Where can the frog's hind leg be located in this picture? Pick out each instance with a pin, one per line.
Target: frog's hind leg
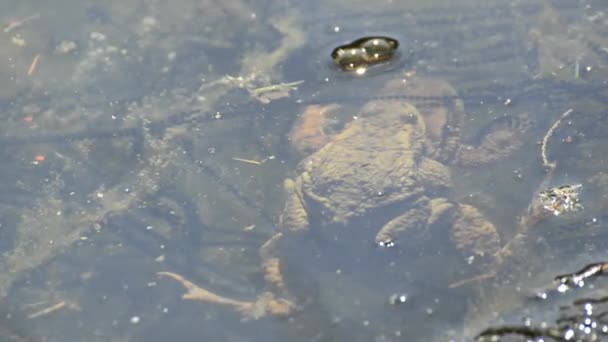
(264, 304)
(271, 266)
(273, 275)
(294, 220)
(499, 140)
(473, 235)
(195, 292)
(478, 241)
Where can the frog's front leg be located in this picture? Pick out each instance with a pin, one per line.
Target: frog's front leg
(441, 209)
(294, 218)
(411, 225)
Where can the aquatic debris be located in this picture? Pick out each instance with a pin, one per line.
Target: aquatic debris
(582, 320)
(259, 88)
(65, 47)
(578, 278)
(493, 334)
(566, 282)
(358, 55)
(39, 158)
(561, 199)
(18, 40)
(274, 91)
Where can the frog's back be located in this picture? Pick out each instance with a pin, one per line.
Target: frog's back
(373, 162)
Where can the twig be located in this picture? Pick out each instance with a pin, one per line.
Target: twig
(477, 278)
(527, 331)
(48, 310)
(532, 214)
(543, 148)
(549, 165)
(277, 87)
(18, 23)
(32, 67)
(248, 161)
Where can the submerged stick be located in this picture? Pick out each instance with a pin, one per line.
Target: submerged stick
(532, 214)
(543, 148)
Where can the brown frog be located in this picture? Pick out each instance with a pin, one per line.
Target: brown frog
(378, 180)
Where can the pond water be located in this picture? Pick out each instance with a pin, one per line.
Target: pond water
(152, 148)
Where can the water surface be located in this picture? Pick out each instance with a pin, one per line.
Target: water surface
(128, 151)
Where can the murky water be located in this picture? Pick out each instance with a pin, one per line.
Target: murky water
(145, 136)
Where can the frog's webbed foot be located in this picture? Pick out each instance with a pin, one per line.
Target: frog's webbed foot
(267, 303)
(499, 140)
(264, 304)
(195, 292)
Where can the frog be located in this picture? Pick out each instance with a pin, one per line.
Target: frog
(380, 180)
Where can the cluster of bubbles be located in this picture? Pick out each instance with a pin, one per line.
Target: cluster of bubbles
(358, 55)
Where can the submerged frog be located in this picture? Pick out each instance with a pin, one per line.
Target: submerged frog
(381, 179)
(386, 161)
